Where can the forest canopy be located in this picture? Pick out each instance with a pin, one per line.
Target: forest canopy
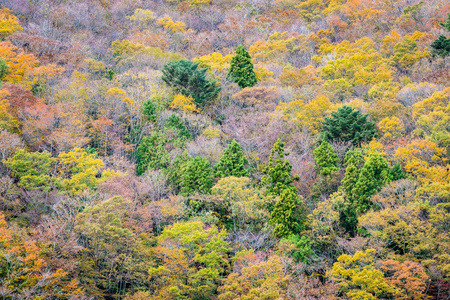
(225, 149)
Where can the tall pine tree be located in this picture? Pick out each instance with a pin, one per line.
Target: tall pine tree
(241, 68)
(326, 160)
(287, 214)
(374, 174)
(277, 174)
(197, 177)
(232, 162)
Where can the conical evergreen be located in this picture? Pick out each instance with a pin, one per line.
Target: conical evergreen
(241, 68)
(197, 177)
(446, 24)
(286, 214)
(326, 160)
(232, 162)
(397, 172)
(354, 160)
(374, 174)
(441, 46)
(277, 174)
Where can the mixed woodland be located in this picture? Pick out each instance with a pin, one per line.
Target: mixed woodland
(224, 149)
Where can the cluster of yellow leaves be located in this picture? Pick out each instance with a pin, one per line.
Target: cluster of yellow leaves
(192, 259)
(256, 280)
(349, 65)
(172, 26)
(405, 53)
(292, 76)
(127, 51)
(215, 62)
(24, 68)
(310, 115)
(274, 49)
(391, 128)
(419, 155)
(8, 23)
(142, 17)
(433, 117)
(425, 160)
(364, 11)
(358, 278)
(312, 10)
(120, 94)
(79, 171)
(212, 132)
(7, 121)
(185, 104)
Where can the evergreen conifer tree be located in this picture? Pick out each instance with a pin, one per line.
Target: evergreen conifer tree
(232, 162)
(277, 174)
(348, 125)
(397, 172)
(174, 122)
(374, 174)
(151, 154)
(446, 24)
(326, 160)
(241, 68)
(187, 79)
(348, 218)
(4, 69)
(441, 46)
(354, 160)
(197, 176)
(286, 214)
(150, 110)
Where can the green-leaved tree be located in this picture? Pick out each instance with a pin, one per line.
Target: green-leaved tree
(241, 68)
(277, 173)
(348, 125)
(441, 46)
(186, 78)
(198, 176)
(232, 162)
(326, 160)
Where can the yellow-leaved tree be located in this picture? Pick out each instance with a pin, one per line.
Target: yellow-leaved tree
(8, 23)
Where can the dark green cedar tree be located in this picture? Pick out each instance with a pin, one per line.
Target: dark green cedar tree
(232, 162)
(277, 174)
(241, 68)
(441, 46)
(325, 159)
(197, 176)
(186, 78)
(348, 125)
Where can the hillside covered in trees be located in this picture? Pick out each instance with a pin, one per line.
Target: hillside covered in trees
(224, 149)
